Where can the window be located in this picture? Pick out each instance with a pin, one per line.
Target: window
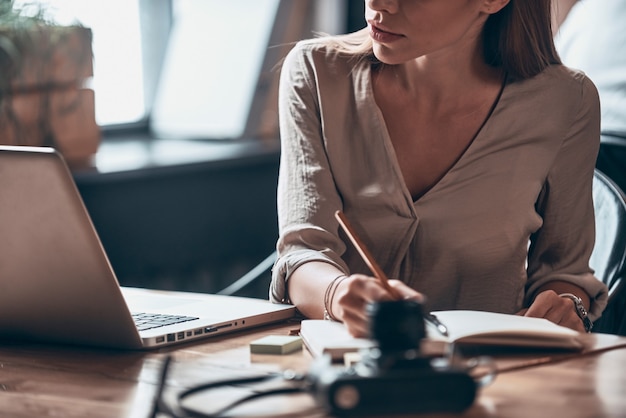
(212, 65)
(118, 65)
(190, 68)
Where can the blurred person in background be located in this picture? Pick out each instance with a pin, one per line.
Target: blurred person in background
(590, 35)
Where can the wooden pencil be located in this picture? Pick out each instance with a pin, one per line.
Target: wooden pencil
(365, 254)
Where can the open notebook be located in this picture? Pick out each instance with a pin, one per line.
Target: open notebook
(474, 328)
(57, 285)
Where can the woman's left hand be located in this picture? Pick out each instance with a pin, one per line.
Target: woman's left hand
(548, 304)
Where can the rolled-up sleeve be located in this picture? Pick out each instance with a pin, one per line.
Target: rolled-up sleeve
(306, 195)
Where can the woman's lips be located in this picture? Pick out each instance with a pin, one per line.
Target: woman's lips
(380, 35)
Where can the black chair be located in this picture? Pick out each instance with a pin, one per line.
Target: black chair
(612, 157)
(609, 255)
(259, 272)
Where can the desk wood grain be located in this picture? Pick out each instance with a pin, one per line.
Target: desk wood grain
(41, 380)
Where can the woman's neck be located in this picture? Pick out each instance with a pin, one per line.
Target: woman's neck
(440, 83)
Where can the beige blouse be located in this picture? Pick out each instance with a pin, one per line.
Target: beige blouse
(514, 212)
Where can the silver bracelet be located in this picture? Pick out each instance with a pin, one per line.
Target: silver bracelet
(329, 294)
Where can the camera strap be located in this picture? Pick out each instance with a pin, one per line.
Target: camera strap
(293, 383)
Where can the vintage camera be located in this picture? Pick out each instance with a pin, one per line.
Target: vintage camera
(393, 378)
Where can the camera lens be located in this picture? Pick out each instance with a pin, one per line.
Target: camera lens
(397, 325)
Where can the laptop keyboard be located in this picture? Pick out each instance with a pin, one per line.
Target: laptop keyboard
(145, 321)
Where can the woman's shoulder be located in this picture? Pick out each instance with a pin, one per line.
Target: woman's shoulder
(309, 46)
(563, 81)
(343, 45)
(567, 75)
(306, 50)
(324, 52)
(559, 89)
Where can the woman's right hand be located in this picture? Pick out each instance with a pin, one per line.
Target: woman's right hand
(354, 294)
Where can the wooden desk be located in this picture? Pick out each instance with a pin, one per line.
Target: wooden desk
(38, 381)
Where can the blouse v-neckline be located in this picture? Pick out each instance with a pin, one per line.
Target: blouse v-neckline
(391, 150)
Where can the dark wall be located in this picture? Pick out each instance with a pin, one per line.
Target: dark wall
(355, 15)
(197, 227)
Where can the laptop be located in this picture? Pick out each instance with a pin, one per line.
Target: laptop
(56, 282)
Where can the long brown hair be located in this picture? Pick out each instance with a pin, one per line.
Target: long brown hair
(517, 39)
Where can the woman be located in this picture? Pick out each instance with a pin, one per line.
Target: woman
(461, 151)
